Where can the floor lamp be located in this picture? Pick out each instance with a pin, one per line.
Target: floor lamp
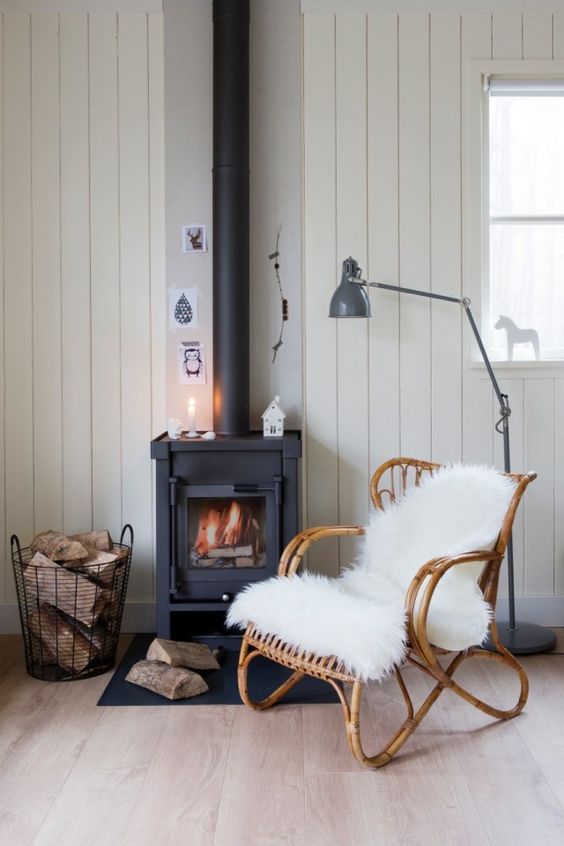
(351, 300)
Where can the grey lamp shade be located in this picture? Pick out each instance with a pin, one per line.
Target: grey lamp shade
(349, 300)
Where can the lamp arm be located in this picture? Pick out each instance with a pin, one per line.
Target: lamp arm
(505, 410)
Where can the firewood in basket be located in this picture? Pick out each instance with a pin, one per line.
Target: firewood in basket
(196, 656)
(68, 591)
(99, 540)
(66, 645)
(99, 566)
(58, 547)
(172, 682)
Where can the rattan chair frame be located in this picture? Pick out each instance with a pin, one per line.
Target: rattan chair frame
(390, 480)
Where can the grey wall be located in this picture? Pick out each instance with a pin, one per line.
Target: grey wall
(275, 192)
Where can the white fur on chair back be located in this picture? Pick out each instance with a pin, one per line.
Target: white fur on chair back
(360, 616)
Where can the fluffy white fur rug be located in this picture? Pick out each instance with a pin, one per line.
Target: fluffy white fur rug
(360, 616)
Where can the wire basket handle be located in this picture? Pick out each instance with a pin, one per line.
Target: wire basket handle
(127, 527)
(15, 542)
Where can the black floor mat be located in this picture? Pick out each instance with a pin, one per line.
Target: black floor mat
(264, 677)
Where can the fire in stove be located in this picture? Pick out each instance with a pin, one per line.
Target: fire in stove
(229, 534)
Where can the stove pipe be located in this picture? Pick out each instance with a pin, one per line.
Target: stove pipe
(231, 216)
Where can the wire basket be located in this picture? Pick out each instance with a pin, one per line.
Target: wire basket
(71, 616)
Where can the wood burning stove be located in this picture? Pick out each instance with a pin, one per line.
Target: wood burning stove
(227, 507)
(225, 510)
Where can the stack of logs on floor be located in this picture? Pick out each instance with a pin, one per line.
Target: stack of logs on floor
(169, 668)
(71, 597)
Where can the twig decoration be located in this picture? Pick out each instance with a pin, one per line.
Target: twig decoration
(274, 256)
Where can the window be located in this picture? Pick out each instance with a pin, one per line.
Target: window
(523, 294)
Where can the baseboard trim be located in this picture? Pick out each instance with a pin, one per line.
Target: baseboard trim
(140, 616)
(137, 617)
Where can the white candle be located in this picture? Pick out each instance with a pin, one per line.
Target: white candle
(192, 418)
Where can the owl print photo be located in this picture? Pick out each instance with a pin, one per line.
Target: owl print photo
(191, 361)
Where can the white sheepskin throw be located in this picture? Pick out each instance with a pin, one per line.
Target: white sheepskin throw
(360, 616)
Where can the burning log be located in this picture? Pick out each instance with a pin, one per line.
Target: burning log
(232, 533)
(230, 551)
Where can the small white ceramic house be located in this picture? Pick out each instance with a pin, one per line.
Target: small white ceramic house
(273, 420)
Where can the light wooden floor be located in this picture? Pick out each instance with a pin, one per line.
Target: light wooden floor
(72, 773)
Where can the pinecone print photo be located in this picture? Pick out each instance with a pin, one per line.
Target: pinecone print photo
(183, 311)
(183, 308)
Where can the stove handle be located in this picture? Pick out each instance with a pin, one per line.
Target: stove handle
(276, 486)
(172, 487)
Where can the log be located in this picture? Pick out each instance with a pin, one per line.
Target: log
(99, 566)
(58, 547)
(245, 562)
(197, 656)
(99, 540)
(230, 551)
(68, 591)
(63, 641)
(172, 682)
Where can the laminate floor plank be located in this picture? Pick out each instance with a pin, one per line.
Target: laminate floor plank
(262, 803)
(71, 772)
(511, 793)
(179, 800)
(541, 725)
(37, 765)
(99, 794)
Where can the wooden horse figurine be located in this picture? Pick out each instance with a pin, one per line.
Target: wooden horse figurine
(515, 335)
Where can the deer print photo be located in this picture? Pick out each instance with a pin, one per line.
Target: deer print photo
(516, 335)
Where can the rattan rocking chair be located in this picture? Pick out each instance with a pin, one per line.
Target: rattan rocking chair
(389, 481)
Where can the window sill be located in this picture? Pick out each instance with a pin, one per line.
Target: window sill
(522, 369)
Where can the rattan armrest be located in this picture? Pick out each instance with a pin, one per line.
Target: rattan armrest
(426, 581)
(296, 549)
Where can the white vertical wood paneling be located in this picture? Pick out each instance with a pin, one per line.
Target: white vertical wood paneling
(539, 502)
(352, 335)
(135, 293)
(508, 36)
(157, 220)
(2, 393)
(46, 272)
(558, 486)
(105, 273)
(17, 282)
(157, 235)
(320, 277)
(83, 303)
(414, 234)
(537, 36)
(477, 443)
(445, 238)
(558, 35)
(382, 264)
(75, 274)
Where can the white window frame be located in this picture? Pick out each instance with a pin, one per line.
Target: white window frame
(476, 210)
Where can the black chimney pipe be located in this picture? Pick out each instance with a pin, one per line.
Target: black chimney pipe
(231, 217)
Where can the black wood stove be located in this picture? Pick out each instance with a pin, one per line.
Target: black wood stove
(225, 510)
(226, 507)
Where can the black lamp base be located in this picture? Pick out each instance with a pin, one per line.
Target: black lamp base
(525, 639)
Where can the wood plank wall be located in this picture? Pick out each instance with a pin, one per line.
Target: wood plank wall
(82, 204)
(383, 182)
